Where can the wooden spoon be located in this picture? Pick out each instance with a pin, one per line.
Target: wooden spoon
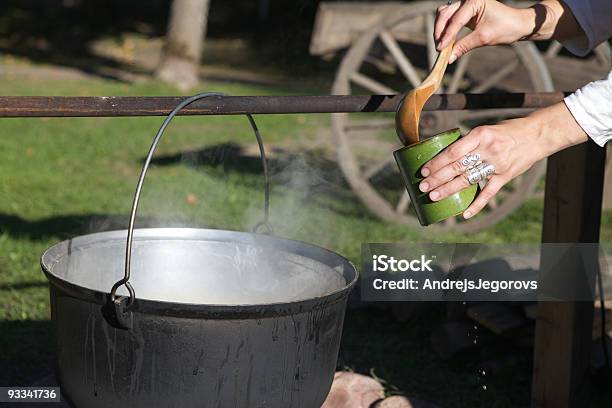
(409, 113)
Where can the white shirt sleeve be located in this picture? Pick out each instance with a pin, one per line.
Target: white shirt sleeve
(591, 106)
(595, 19)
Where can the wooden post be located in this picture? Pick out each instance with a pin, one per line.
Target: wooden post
(572, 213)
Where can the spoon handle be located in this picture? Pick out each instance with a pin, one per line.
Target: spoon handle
(437, 72)
(409, 111)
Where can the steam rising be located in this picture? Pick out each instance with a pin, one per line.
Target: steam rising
(226, 273)
(295, 185)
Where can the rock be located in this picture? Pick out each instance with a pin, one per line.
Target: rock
(351, 390)
(398, 401)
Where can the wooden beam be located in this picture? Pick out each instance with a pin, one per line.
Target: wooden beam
(572, 213)
(110, 106)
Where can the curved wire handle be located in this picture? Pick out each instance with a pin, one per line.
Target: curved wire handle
(128, 247)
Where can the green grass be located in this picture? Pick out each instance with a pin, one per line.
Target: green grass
(60, 176)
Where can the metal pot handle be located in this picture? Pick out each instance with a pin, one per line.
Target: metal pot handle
(121, 303)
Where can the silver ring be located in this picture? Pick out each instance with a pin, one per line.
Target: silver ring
(471, 160)
(480, 172)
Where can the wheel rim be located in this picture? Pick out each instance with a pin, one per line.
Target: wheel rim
(356, 72)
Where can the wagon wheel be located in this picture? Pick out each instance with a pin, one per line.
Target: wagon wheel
(398, 51)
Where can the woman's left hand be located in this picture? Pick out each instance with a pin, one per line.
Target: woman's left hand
(511, 147)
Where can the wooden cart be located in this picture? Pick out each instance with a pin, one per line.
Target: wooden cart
(388, 47)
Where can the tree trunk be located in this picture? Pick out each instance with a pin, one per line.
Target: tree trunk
(184, 40)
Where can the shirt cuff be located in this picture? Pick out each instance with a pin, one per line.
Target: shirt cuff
(590, 107)
(582, 12)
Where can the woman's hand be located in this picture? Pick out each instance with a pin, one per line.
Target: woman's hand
(494, 23)
(512, 147)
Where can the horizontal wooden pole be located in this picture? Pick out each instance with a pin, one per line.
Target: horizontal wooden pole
(109, 106)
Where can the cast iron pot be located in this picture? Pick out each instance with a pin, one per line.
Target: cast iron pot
(196, 318)
(269, 336)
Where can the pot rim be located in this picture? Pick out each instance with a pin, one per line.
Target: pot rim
(198, 310)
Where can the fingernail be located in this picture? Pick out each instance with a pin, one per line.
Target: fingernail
(425, 172)
(439, 46)
(434, 195)
(424, 186)
(452, 58)
(467, 214)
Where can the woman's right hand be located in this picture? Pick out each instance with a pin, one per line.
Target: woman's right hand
(492, 23)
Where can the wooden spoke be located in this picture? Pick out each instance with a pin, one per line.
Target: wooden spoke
(371, 84)
(402, 62)
(603, 55)
(387, 67)
(496, 77)
(553, 49)
(373, 170)
(459, 73)
(403, 203)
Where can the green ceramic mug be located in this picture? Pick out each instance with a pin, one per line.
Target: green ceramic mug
(411, 159)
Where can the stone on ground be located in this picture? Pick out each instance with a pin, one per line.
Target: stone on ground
(351, 390)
